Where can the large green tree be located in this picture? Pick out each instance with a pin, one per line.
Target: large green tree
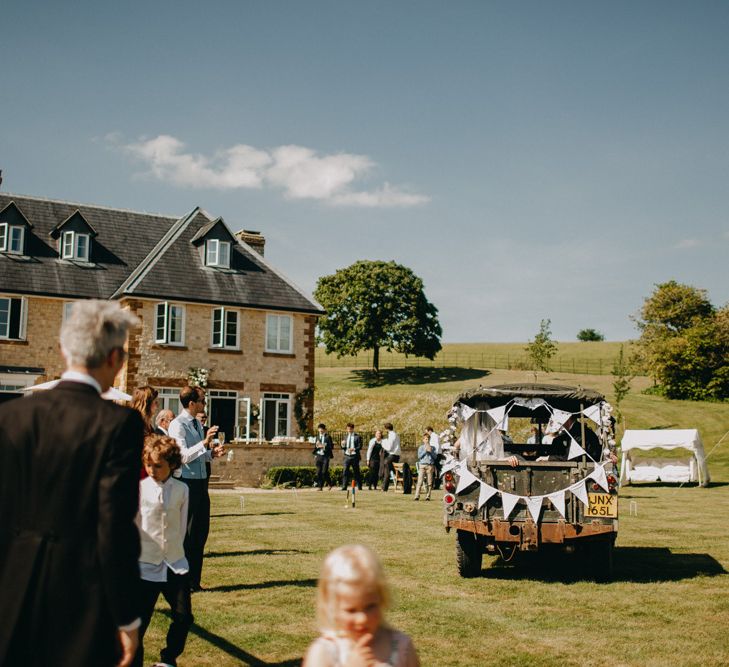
(684, 342)
(371, 305)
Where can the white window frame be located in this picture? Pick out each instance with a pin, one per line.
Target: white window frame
(217, 253)
(66, 313)
(14, 383)
(164, 309)
(279, 400)
(7, 232)
(70, 246)
(5, 333)
(274, 320)
(169, 399)
(223, 344)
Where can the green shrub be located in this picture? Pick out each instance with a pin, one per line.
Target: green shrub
(303, 476)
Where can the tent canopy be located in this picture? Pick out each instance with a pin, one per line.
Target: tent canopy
(664, 439)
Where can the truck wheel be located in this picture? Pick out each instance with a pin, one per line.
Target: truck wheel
(468, 554)
(601, 560)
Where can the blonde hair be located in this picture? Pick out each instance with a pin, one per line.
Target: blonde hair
(351, 565)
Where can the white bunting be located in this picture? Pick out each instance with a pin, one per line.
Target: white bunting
(466, 478)
(557, 499)
(598, 474)
(559, 417)
(466, 411)
(453, 463)
(531, 403)
(484, 494)
(535, 506)
(575, 449)
(593, 413)
(499, 416)
(579, 490)
(509, 500)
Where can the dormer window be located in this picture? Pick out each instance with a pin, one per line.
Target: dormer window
(217, 253)
(75, 245)
(11, 238)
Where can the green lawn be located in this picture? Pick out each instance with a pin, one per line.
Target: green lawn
(668, 604)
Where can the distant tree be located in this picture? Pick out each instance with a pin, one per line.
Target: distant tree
(373, 304)
(684, 342)
(586, 335)
(541, 349)
(622, 377)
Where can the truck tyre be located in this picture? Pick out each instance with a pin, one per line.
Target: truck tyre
(407, 479)
(601, 560)
(468, 554)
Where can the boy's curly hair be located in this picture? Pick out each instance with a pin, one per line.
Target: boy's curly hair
(162, 447)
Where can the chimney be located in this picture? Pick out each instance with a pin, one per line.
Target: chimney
(254, 239)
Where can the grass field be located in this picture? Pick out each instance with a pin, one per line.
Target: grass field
(668, 603)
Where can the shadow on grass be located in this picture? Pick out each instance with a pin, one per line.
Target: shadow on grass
(631, 564)
(250, 514)
(226, 588)
(415, 375)
(255, 552)
(222, 644)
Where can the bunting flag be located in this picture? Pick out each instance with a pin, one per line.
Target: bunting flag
(579, 490)
(530, 403)
(598, 474)
(593, 413)
(466, 478)
(575, 449)
(509, 501)
(499, 416)
(557, 499)
(466, 411)
(450, 465)
(485, 493)
(534, 504)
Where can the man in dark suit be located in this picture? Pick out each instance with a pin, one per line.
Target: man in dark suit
(323, 452)
(351, 445)
(69, 486)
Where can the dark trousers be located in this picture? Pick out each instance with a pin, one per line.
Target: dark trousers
(322, 470)
(351, 463)
(374, 472)
(198, 527)
(387, 469)
(176, 590)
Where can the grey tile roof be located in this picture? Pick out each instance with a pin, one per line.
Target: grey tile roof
(140, 254)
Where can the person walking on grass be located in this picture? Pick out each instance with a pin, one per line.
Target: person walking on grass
(162, 521)
(392, 450)
(351, 446)
(426, 466)
(323, 453)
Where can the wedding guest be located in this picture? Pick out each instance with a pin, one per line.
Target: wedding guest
(351, 446)
(426, 466)
(144, 401)
(351, 599)
(162, 421)
(195, 449)
(323, 453)
(392, 450)
(162, 519)
(374, 460)
(69, 487)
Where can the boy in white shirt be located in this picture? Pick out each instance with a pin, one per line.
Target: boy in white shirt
(163, 568)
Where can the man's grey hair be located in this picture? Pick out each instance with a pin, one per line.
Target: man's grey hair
(164, 414)
(93, 329)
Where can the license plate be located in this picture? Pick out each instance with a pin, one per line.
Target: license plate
(603, 505)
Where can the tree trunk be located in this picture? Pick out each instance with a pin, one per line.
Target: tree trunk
(376, 359)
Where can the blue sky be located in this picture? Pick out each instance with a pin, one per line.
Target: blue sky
(528, 160)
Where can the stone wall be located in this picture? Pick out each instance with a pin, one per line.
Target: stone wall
(251, 461)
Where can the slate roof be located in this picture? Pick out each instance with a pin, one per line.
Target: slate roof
(140, 254)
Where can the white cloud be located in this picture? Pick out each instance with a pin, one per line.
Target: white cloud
(687, 243)
(300, 172)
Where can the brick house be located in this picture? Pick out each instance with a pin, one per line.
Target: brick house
(206, 296)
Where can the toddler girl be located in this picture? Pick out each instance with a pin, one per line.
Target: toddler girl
(351, 598)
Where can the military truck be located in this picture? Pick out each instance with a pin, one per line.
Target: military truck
(556, 496)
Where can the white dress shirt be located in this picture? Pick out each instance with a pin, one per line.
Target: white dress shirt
(391, 444)
(435, 442)
(76, 376)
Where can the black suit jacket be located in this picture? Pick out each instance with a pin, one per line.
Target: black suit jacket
(357, 445)
(328, 446)
(69, 493)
